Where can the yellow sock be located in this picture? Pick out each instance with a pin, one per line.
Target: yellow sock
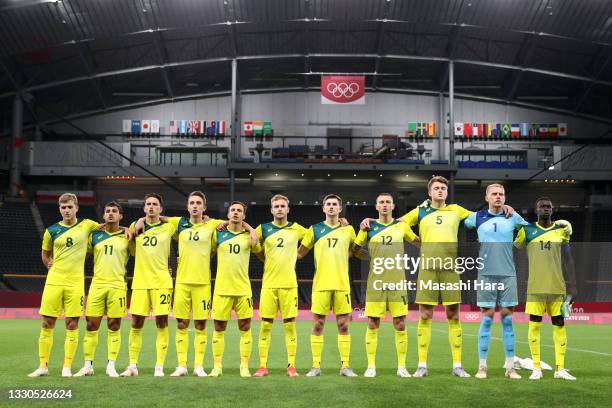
(401, 346)
(560, 340)
(455, 339)
(70, 346)
(45, 342)
(344, 347)
(161, 345)
(113, 343)
(199, 345)
(316, 347)
(533, 335)
(90, 342)
(246, 346)
(182, 346)
(135, 344)
(264, 342)
(218, 347)
(423, 339)
(371, 342)
(290, 342)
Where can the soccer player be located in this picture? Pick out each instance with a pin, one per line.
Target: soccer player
(279, 290)
(385, 239)
(331, 288)
(64, 248)
(152, 284)
(233, 287)
(495, 234)
(107, 293)
(549, 253)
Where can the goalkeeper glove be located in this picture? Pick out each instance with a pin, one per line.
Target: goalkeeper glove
(566, 308)
(566, 225)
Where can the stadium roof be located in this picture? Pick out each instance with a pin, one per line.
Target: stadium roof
(80, 57)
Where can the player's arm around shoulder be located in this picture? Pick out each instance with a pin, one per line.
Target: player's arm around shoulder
(307, 243)
(521, 238)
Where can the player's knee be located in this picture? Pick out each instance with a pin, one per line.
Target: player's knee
(182, 324)
(426, 314)
(557, 321)
(72, 324)
(452, 314)
(267, 320)
(114, 324)
(199, 324)
(93, 326)
(290, 320)
(399, 324)
(244, 325)
(373, 323)
(48, 323)
(161, 322)
(534, 318)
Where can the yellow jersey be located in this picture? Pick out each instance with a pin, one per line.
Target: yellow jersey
(233, 256)
(331, 255)
(194, 249)
(69, 246)
(152, 253)
(544, 246)
(111, 252)
(280, 246)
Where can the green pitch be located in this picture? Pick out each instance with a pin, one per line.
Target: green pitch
(589, 357)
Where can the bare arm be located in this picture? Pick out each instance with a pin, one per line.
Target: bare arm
(570, 270)
(302, 251)
(47, 258)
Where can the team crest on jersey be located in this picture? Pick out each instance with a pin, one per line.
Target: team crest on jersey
(322, 231)
(269, 229)
(375, 228)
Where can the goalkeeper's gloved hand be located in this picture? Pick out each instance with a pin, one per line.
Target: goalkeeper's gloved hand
(566, 308)
(566, 225)
(425, 203)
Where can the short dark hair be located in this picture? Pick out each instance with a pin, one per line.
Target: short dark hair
(436, 179)
(542, 199)
(197, 194)
(244, 206)
(155, 195)
(384, 194)
(114, 204)
(337, 197)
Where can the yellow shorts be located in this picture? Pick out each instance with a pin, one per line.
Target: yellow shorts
(539, 308)
(143, 300)
(56, 298)
(191, 298)
(426, 296)
(222, 307)
(273, 299)
(337, 300)
(106, 301)
(379, 309)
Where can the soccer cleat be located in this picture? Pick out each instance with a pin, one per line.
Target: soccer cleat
(199, 372)
(131, 371)
(564, 374)
(85, 372)
(244, 372)
(66, 372)
(314, 372)
(111, 372)
(402, 372)
(159, 371)
(39, 372)
(179, 372)
(261, 372)
(370, 372)
(482, 372)
(460, 372)
(420, 372)
(216, 372)
(512, 374)
(347, 372)
(292, 372)
(536, 374)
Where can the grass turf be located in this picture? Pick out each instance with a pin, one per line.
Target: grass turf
(589, 357)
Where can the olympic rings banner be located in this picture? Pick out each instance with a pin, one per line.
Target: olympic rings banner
(342, 90)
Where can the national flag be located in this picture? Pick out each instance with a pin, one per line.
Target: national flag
(247, 128)
(127, 126)
(562, 129)
(173, 128)
(201, 127)
(155, 126)
(467, 129)
(192, 127)
(182, 127)
(477, 129)
(515, 130)
(524, 132)
(553, 130)
(459, 129)
(505, 130)
(412, 128)
(267, 129)
(543, 130)
(258, 128)
(220, 128)
(136, 126)
(496, 132)
(431, 129)
(145, 126)
(421, 129)
(212, 129)
(487, 129)
(533, 130)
